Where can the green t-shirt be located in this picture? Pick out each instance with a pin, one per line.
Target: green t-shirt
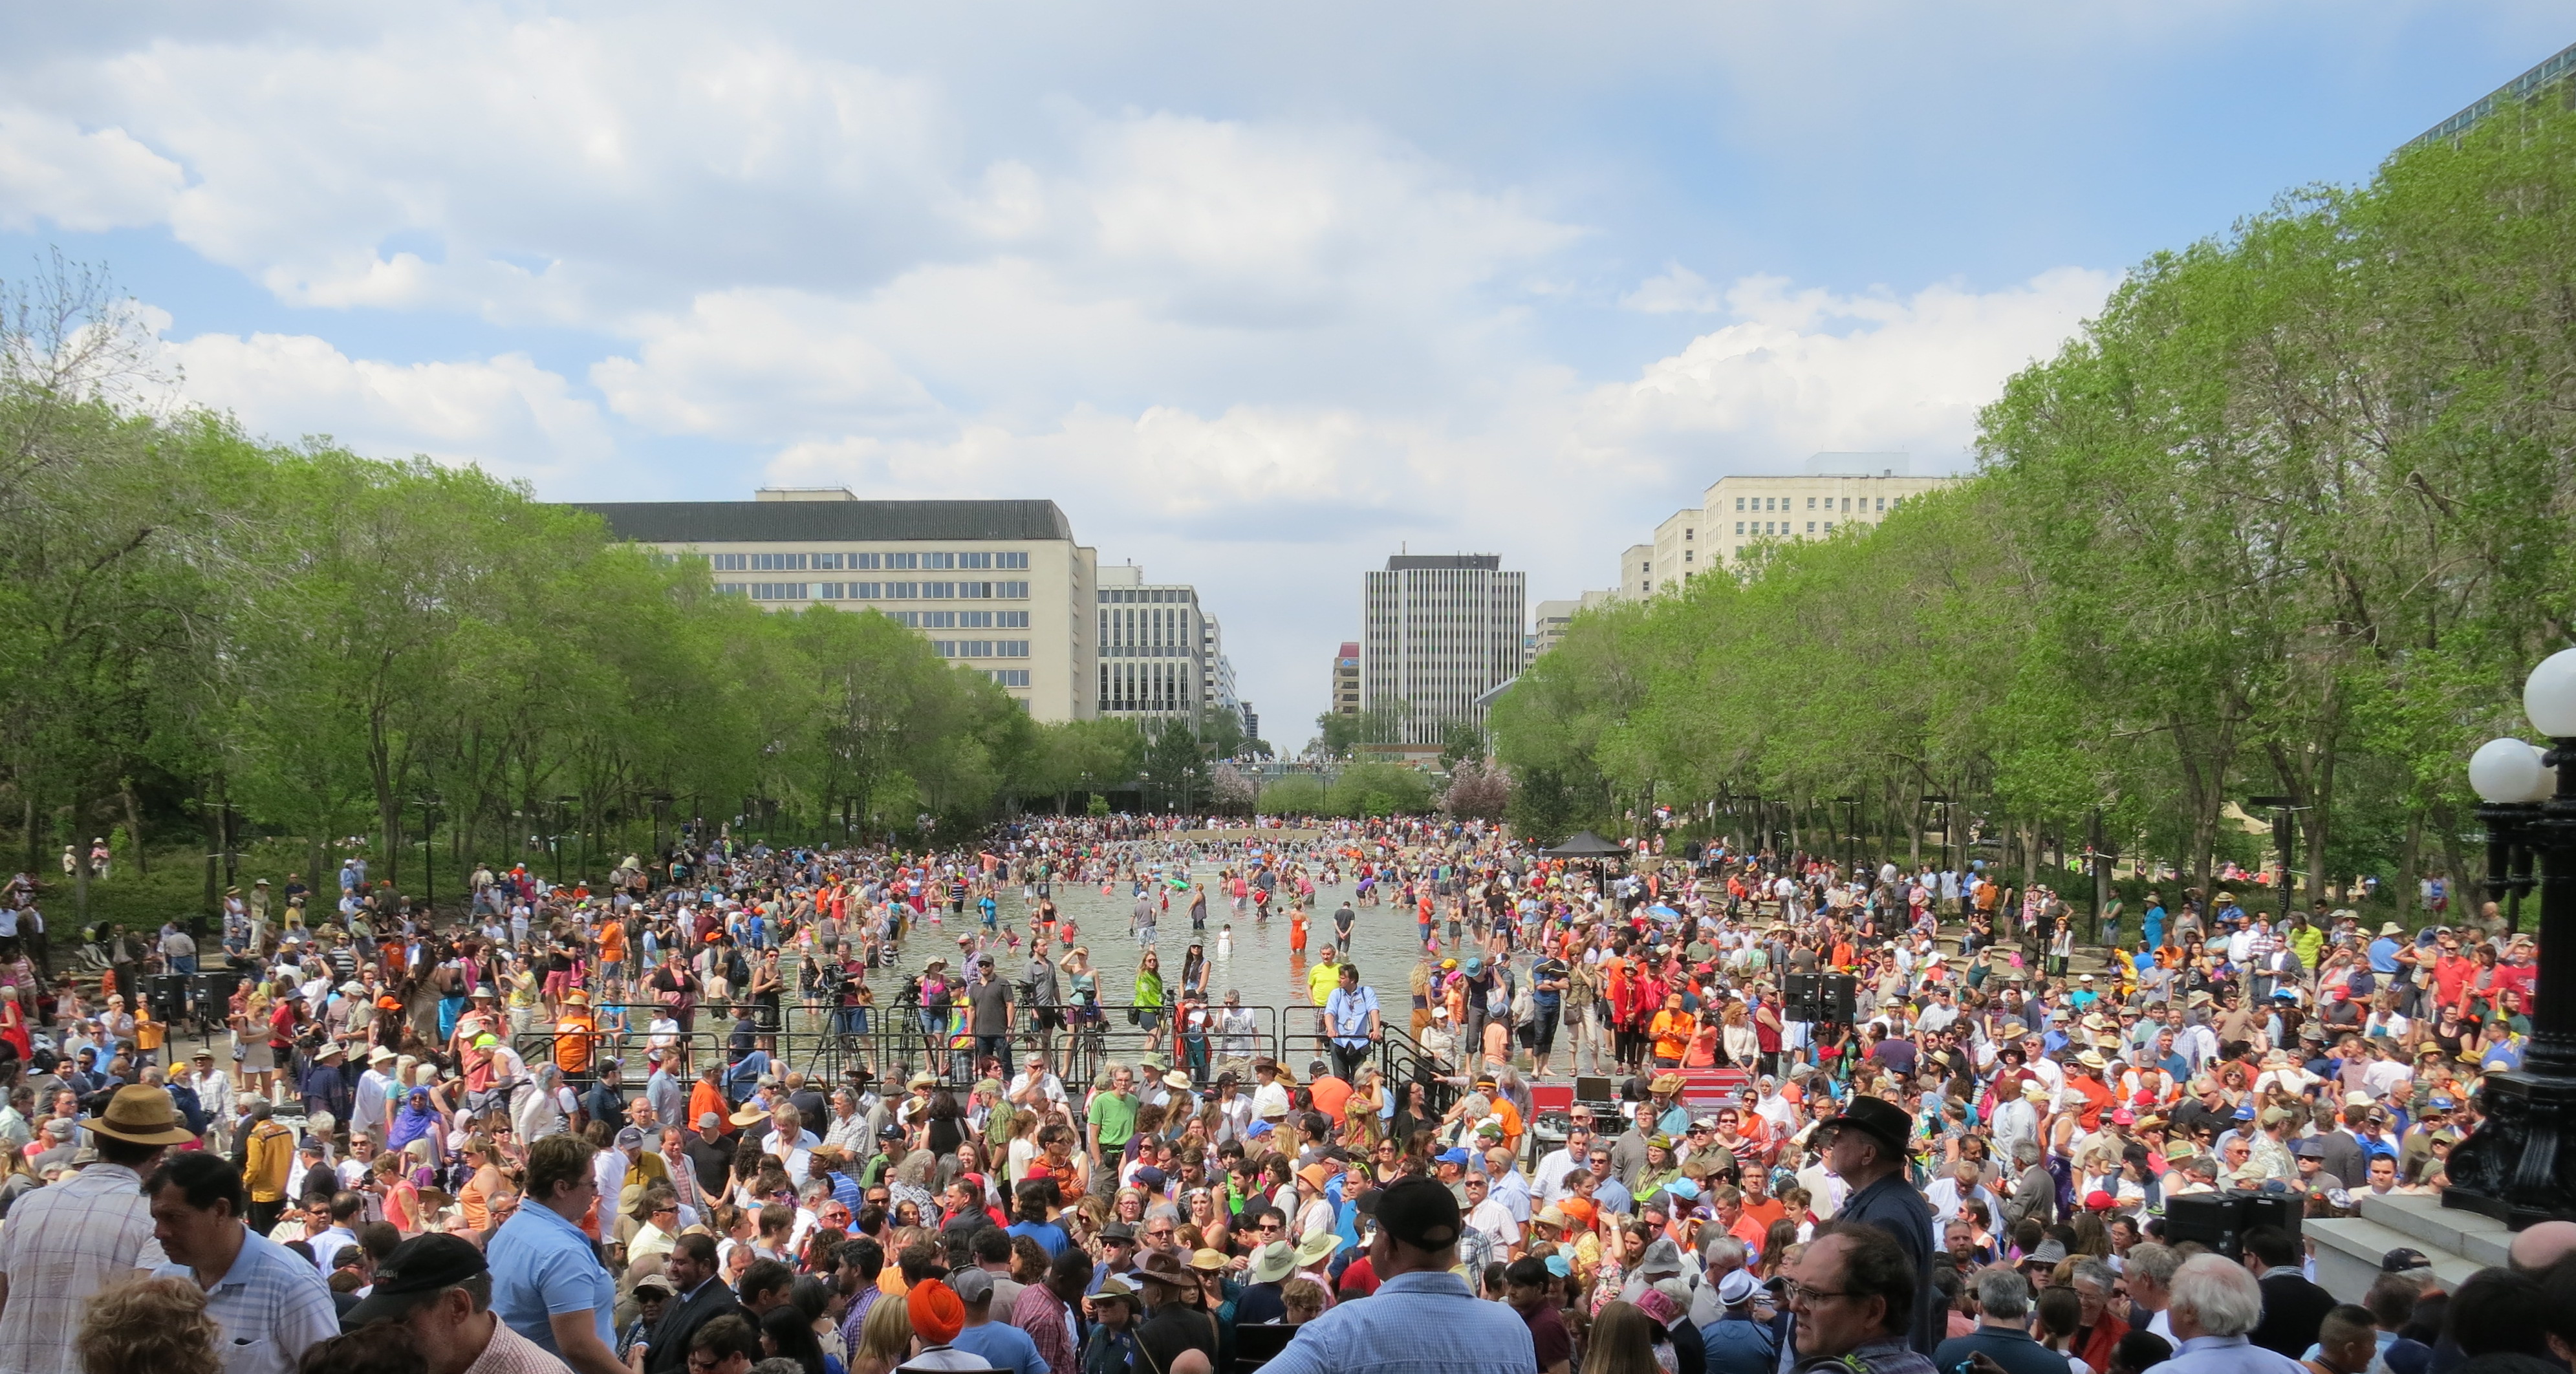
(1115, 1115)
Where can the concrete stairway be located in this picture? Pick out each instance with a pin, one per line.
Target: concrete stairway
(2348, 1249)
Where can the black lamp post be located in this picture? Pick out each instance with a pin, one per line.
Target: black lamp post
(661, 803)
(428, 854)
(2282, 809)
(2519, 1166)
(1942, 800)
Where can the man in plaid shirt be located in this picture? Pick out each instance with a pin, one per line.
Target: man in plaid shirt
(2261, 948)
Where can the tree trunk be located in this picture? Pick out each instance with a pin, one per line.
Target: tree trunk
(2409, 862)
(134, 827)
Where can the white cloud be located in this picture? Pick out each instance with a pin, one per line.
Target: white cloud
(53, 172)
(505, 413)
(1676, 290)
(1799, 370)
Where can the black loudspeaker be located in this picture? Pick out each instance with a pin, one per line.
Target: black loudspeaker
(1798, 994)
(169, 995)
(215, 989)
(1839, 998)
(2220, 1220)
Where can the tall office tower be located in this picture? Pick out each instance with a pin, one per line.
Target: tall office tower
(1440, 632)
(1346, 679)
(999, 586)
(1153, 649)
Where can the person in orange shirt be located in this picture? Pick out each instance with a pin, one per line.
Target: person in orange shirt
(1672, 1030)
(706, 1099)
(1297, 930)
(612, 956)
(2087, 1079)
(576, 1033)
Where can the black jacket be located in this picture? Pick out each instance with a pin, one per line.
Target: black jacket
(2293, 1309)
(668, 1351)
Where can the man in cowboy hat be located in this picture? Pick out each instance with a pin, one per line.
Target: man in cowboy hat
(1172, 1326)
(438, 1288)
(1866, 1146)
(70, 1239)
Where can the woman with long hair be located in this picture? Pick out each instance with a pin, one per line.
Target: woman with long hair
(1362, 1127)
(1622, 1341)
(885, 1339)
(1148, 1008)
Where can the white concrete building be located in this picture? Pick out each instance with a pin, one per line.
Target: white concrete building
(999, 586)
(1439, 632)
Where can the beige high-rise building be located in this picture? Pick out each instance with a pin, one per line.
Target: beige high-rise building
(1554, 616)
(1637, 571)
(998, 586)
(1439, 633)
(1346, 679)
(1740, 516)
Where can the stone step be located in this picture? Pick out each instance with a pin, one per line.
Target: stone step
(2348, 1251)
(2433, 1227)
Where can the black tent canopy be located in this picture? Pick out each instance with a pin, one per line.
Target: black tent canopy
(1586, 845)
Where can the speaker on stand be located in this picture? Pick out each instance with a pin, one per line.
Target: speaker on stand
(1799, 998)
(1838, 997)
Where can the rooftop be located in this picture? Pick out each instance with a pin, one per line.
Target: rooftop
(828, 520)
(1488, 562)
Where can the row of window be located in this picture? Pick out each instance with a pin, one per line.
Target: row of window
(962, 620)
(1010, 677)
(836, 561)
(1783, 503)
(981, 648)
(1748, 527)
(1129, 596)
(1143, 651)
(877, 591)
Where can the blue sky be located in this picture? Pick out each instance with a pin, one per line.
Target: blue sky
(1256, 297)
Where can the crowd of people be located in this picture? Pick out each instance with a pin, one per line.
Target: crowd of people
(554, 1130)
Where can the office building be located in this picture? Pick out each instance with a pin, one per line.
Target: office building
(1217, 687)
(1346, 679)
(998, 586)
(1739, 517)
(1440, 632)
(2553, 73)
(1553, 616)
(1637, 572)
(1153, 650)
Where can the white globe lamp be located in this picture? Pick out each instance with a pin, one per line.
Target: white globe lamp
(2549, 695)
(2507, 770)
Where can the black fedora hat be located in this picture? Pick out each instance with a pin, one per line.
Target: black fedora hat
(1879, 1117)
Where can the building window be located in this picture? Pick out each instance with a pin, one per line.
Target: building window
(945, 648)
(975, 591)
(1739, 528)
(730, 562)
(938, 560)
(862, 562)
(1739, 505)
(1010, 648)
(1686, 555)
(778, 591)
(974, 560)
(825, 562)
(1011, 677)
(903, 560)
(732, 589)
(938, 591)
(1686, 534)
(1882, 503)
(830, 591)
(973, 620)
(778, 562)
(1811, 527)
(1829, 527)
(900, 591)
(1016, 561)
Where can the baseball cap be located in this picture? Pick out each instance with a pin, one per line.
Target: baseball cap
(2403, 1258)
(1421, 1212)
(973, 1286)
(418, 1269)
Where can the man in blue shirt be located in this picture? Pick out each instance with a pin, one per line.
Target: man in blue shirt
(1351, 1022)
(2383, 951)
(547, 1281)
(1422, 1317)
(999, 1344)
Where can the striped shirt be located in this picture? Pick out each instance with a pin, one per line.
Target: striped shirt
(62, 1245)
(271, 1305)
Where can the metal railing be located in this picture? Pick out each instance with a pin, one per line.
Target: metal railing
(891, 1044)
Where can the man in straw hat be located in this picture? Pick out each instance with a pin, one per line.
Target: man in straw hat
(67, 1241)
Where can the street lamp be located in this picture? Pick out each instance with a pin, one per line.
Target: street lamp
(2511, 1167)
(1942, 800)
(429, 856)
(2282, 807)
(661, 803)
(568, 807)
